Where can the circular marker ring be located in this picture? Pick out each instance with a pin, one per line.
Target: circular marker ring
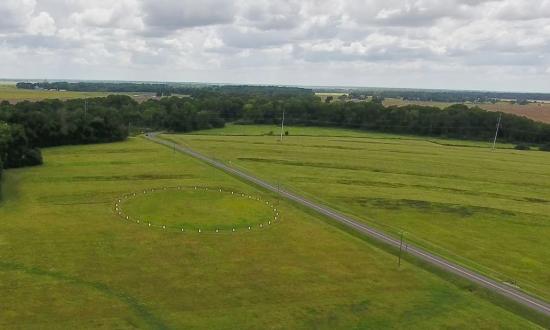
(119, 211)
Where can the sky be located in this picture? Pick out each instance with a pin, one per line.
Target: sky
(446, 44)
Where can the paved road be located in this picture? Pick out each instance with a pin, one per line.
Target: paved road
(449, 266)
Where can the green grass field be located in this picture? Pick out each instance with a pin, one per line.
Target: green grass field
(69, 261)
(195, 208)
(488, 210)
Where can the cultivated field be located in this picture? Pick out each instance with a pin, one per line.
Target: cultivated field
(324, 96)
(8, 92)
(13, 95)
(488, 210)
(535, 111)
(69, 260)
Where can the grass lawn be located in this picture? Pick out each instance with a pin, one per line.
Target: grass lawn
(488, 210)
(69, 261)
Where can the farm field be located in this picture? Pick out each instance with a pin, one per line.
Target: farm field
(69, 260)
(536, 111)
(488, 210)
(13, 95)
(324, 96)
(8, 92)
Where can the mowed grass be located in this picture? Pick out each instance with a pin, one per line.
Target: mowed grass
(489, 210)
(68, 261)
(198, 209)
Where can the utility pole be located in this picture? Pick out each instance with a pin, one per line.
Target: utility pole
(282, 126)
(496, 133)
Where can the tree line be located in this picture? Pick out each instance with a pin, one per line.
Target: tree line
(27, 126)
(449, 95)
(456, 121)
(163, 89)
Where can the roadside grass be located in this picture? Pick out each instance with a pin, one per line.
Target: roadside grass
(488, 210)
(69, 262)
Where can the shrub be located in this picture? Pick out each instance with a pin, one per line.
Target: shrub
(32, 157)
(286, 133)
(545, 147)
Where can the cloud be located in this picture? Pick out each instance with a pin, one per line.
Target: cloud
(178, 14)
(375, 42)
(42, 24)
(15, 13)
(273, 15)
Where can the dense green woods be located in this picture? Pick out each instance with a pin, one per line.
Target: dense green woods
(27, 126)
(457, 121)
(166, 89)
(15, 150)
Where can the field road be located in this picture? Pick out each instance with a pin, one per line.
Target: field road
(498, 287)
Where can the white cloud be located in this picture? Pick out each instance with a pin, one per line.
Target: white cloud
(426, 43)
(15, 14)
(42, 24)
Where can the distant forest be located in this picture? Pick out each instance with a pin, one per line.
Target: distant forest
(27, 126)
(449, 96)
(167, 89)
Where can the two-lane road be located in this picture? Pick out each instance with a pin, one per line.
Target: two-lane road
(501, 288)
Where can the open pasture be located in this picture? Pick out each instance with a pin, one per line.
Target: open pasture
(488, 210)
(197, 209)
(69, 261)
